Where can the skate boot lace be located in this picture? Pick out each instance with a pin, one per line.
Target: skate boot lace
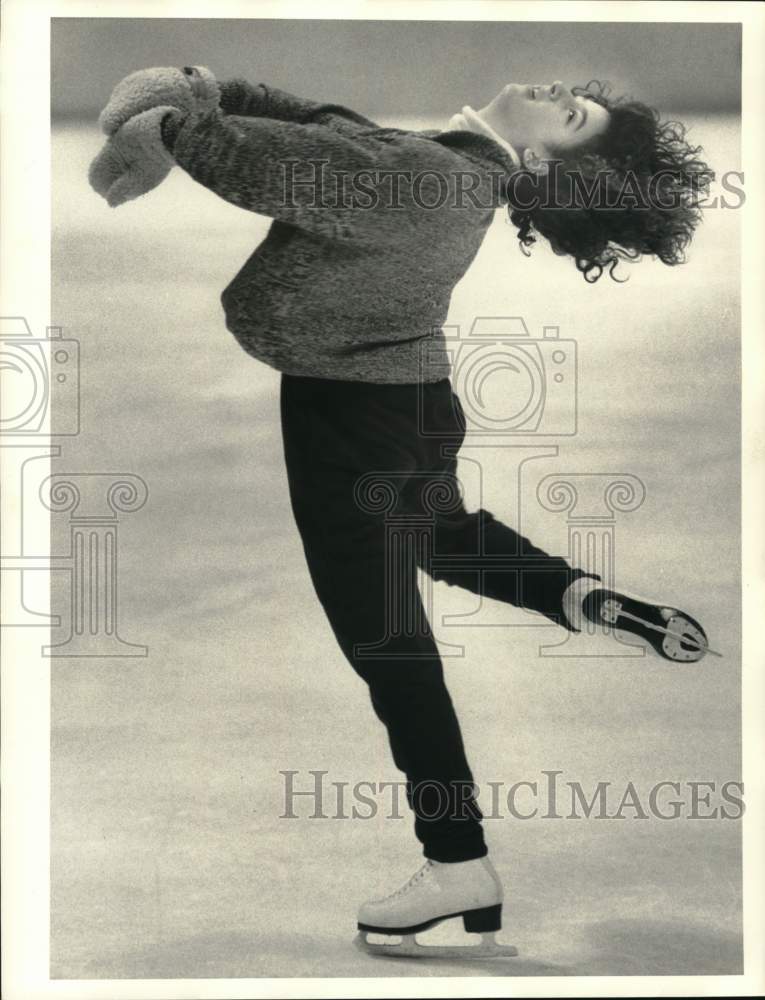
(413, 881)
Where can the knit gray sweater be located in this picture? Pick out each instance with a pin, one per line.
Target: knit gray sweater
(373, 227)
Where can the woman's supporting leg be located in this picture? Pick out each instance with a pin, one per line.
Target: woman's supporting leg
(333, 434)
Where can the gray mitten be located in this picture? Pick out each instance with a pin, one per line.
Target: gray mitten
(134, 160)
(193, 88)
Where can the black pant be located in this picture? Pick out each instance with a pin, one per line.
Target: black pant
(373, 497)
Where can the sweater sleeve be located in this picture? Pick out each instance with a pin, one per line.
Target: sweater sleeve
(238, 97)
(281, 169)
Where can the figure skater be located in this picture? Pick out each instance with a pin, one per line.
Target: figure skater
(372, 229)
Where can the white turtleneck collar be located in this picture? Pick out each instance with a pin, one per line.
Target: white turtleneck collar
(470, 121)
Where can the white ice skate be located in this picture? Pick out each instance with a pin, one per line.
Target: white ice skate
(468, 889)
(671, 634)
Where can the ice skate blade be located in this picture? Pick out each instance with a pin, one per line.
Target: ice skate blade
(683, 637)
(409, 947)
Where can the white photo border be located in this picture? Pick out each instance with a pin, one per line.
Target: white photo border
(25, 291)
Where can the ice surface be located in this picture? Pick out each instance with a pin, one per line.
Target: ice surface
(169, 856)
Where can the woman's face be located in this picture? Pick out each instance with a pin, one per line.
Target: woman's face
(544, 118)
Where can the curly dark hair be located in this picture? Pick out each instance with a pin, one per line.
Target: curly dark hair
(631, 191)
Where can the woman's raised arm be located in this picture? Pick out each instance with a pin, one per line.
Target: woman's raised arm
(285, 170)
(238, 97)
